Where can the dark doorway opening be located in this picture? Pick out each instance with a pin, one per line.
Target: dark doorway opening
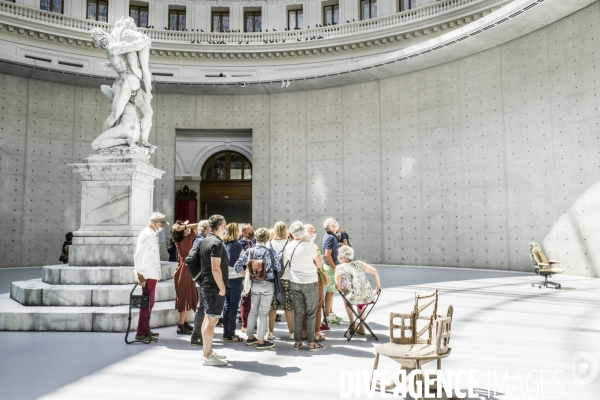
(226, 187)
(233, 211)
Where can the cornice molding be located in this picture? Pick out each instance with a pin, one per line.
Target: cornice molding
(240, 52)
(272, 73)
(319, 50)
(41, 24)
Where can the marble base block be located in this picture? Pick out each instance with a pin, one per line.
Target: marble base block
(38, 293)
(98, 275)
(16, 317)
(116, 202)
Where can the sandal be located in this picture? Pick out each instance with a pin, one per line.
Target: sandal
(298, 346)
(319, 338)
(234, 338)
(316, 346)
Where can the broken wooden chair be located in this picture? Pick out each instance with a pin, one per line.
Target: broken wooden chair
(417, 338)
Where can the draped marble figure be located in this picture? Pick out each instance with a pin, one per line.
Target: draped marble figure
(130, 120)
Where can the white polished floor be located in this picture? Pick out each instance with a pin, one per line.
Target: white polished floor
(502, 327)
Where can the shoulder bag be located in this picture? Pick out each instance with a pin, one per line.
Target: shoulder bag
(256, 268)
(324, 277)
(279, 288)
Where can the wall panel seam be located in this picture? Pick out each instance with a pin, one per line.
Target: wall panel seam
(506, 184)
(381, 219)
(22, 222)
(72, 198)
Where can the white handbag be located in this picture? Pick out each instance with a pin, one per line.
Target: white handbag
(247, 284)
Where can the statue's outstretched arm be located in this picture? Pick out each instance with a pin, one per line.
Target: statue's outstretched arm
(123, 48)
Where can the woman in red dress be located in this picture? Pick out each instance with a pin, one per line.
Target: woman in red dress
(185, 287)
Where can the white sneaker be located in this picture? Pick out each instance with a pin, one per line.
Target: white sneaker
(292, 336)
(213, 361)
(270, 336)
(219, 356)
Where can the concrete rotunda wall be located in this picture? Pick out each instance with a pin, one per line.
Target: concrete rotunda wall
(462, 165)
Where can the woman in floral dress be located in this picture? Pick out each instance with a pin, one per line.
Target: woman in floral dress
(350, 279)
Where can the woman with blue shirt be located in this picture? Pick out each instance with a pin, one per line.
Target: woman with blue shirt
(262, 290)
(233, 290)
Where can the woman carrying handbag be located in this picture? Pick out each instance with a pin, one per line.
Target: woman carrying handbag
(260, 263)
(304, 262)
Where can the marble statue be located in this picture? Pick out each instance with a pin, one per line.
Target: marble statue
(128, 125)
(125, 133)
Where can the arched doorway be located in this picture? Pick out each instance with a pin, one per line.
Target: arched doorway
(226, 187)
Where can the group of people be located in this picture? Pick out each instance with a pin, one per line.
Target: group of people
(222, 270)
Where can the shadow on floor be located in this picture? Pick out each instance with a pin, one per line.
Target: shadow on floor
(263, 369)
(57, 359)
(51, 360)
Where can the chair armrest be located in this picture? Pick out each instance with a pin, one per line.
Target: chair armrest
(553, 262)
(543, 264)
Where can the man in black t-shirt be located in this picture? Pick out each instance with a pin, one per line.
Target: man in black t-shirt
(214, 274)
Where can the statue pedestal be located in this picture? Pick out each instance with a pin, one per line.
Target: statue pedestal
(116, 201)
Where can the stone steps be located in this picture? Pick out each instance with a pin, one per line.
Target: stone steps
(37, 293)
(71, 275)
(17, 317)
(86, 299)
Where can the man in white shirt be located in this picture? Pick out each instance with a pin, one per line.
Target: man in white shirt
(146, 266)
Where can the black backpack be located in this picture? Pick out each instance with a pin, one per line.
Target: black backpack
(280, 260)
(192, 262)
(279, 293)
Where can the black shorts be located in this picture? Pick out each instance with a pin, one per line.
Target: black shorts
(213, 303)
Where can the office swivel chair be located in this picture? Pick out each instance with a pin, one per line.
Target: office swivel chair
(543, 267)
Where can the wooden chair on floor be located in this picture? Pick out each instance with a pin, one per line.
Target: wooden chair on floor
(417, 338)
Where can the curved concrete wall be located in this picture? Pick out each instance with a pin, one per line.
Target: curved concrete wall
(461, 165)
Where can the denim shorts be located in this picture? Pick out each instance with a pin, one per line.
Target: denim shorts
(213, 303)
